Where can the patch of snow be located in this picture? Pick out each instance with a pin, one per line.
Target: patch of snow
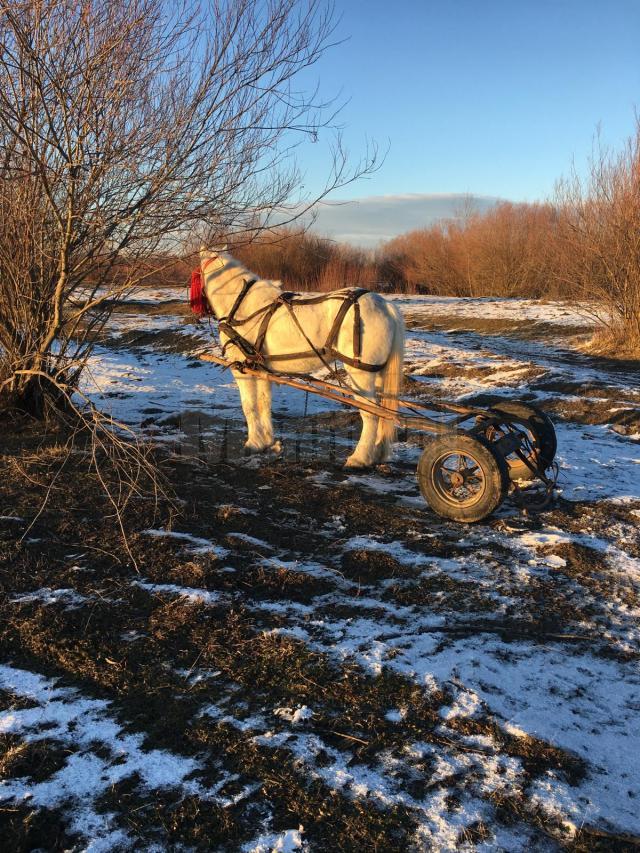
(396, 715)
(544, 538)
(393, 549)
(278, 842)
(198, 544)
(314, 570)
(70, 597)
(197, 596)
(504, 308)
(380, 485)
(100, 754)
(467, 704)
(580, 702)
(596, 464)
(296, 716)
(554, 561)
(249, 540)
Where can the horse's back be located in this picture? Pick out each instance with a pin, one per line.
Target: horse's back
(309, 320)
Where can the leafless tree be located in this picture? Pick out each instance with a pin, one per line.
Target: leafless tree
(125, 125)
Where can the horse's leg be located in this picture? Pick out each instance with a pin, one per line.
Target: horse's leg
(385, 435)
(366, 452)
(250, 398)
(263, 399)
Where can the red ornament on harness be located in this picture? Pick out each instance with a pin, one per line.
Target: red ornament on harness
(199, 303)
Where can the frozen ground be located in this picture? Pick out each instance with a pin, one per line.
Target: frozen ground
(476, 687)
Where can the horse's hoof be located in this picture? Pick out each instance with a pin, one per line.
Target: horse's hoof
(254, 449)
(355, 463)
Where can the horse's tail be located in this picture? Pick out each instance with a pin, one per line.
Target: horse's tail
(389, 382)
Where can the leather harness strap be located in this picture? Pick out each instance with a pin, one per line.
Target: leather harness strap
(246, 287)
(325, 353)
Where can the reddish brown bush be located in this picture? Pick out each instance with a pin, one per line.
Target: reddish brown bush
(508, 251)
(304, 261)
(600, 241)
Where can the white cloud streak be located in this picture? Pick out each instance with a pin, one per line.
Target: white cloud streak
(368, 221)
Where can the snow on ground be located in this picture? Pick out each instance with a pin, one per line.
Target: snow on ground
(99, 754)
(158, 295)
(557, 313)
(286, 842)
(472, 620)
(578, 701)
(144, 385)
(196, 544)
(560, 313)
(135, 385)
(502, 360)
(596, 463)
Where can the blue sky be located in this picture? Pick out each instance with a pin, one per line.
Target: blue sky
(488, 97)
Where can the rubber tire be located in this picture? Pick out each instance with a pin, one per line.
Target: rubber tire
(494, 468)
(541, 425)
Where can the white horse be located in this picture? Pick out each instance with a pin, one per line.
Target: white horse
(358, 328)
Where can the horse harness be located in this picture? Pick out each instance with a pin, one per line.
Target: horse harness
(326, 353)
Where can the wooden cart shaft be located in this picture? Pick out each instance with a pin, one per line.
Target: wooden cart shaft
(350, 397)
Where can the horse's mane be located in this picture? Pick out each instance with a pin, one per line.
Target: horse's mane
(232, 261)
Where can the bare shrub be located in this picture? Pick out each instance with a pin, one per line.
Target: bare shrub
(507, 251)
(348, 267)
(600, 234)
(421, 262)
(126, 126)
(294, 256)
(306, 261)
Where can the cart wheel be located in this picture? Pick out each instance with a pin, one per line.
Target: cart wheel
(541, 446)
(461, 477)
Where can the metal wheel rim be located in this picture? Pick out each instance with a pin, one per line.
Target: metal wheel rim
(529, 449)
(447, 491)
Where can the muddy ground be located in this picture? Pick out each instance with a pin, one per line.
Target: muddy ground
(296, 657)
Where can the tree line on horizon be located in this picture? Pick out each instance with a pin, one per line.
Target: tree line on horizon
(584, 245)
(501, 252)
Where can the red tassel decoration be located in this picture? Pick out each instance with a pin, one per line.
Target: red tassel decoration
(199, 303)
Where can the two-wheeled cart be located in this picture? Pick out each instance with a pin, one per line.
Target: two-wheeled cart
(477, 455)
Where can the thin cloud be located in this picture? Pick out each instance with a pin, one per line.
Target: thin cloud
(371, 220)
